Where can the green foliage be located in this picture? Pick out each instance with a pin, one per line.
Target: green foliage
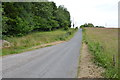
(90, 25)
(87, 25)
(4, 24)
(82, 26)
(22, 26)
(63, 17)
(20, 18)
(66, 28)
(76, 28)
(24, 43)
(101, 58)
(97, 50)
(100, 26)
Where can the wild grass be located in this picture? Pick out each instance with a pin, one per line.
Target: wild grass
(20, 44)
(103, 44)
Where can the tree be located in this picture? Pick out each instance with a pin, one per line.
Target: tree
(87, 25)
(90, 25)
(20, 18)
(63, 17)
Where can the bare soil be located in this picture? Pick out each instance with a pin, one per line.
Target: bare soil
(48, 44)
(87, 69)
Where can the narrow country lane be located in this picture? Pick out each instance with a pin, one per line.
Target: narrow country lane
(58, 61)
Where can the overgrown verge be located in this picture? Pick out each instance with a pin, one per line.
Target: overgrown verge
(102, 57)
(87, 69)
(21, 44)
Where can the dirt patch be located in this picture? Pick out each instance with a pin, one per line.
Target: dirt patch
(87, 68)
(48, 44)
(4, 44)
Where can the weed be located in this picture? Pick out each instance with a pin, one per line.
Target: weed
(19, 44)
(102, 44)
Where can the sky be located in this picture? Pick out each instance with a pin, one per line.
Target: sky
(98, 12)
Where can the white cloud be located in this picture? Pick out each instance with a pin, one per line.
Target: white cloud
(98, 12)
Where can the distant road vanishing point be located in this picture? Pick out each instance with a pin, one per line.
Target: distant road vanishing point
(57, 61)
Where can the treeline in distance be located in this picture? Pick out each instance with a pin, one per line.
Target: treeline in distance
(20, 18)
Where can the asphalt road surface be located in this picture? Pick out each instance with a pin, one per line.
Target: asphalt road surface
(58, 61)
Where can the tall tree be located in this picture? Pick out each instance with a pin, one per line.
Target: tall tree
(20, 18)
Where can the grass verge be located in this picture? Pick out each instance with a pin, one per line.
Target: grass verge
(25, 43)
(78, 71)
(103, 44)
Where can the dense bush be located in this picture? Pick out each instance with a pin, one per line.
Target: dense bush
(100, 26)
(76, 28)
(19, 18)
(87, 25)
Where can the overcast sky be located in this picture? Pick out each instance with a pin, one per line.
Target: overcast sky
(98, 12)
